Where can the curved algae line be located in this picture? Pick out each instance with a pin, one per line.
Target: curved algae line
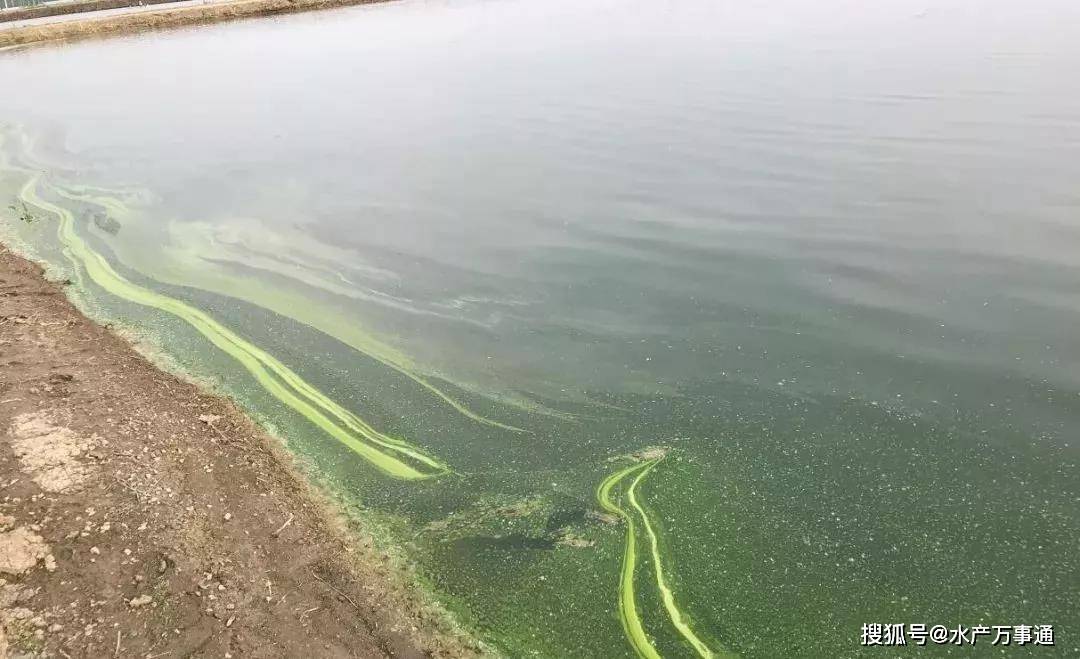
(115, 205)
(253, 358)
(111, 203)
(420, 380)
(666, 594)
(628, 614)
(284, 373)
(256, 361)
(350, 419)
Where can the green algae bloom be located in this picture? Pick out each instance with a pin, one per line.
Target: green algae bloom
(392, 456)
(627, 603)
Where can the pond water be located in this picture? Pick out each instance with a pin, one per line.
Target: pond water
(690, 328)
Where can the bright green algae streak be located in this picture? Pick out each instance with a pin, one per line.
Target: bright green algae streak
(275, 377)
(105, 199)
(869, 384)
(628, 614)
(322, 411)
(118, 208)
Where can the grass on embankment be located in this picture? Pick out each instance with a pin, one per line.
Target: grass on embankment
(73, 7)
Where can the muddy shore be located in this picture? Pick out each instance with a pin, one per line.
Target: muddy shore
(143, 517)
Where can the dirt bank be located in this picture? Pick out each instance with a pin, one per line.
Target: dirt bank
(141, 517)
(74, 7)
(16, 35)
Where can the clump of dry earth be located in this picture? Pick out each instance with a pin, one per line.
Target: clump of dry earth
(142, 517)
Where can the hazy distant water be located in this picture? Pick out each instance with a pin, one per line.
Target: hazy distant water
(827, 251)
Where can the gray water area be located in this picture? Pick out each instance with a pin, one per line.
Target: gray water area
(822, 253)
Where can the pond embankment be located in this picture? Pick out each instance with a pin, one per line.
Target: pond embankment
(71, 7)
(141, 516)
(93, 24)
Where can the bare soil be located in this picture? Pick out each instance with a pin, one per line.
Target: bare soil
(143, 517)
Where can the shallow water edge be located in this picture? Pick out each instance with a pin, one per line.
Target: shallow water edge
(178, 547)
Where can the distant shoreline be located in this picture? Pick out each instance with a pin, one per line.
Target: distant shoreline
(71, 7)
(13, 35)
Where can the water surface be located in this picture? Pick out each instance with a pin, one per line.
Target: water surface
(821, 256)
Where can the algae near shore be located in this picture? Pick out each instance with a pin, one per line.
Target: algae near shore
(648, 335)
